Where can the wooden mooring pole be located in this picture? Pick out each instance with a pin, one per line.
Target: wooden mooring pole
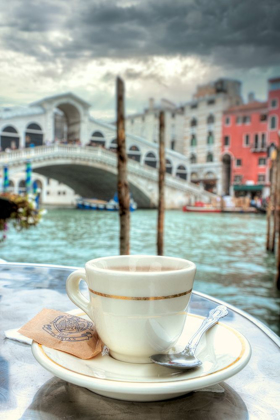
(274, 203)
(123, 188)
(269, 211)
(161, 176)
(277, 210)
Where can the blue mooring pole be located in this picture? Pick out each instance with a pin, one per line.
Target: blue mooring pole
(5, 178)
(28, 183)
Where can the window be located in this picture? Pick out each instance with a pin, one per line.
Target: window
(172, 144)
(209, 157)
(194, 106)
(58, 192)
(262, 161)
(211, 102)
(193, 140)
(210, 138)
(238, 162)
(132, 121)
(193, 122)
(48, 181)
(273, 122)
(210, 119)
(247, 140)
(173, 115)
(263, 117)
(193, 158)
(48, 192)
(226, 140)
(246, 119)
(237, 179)
(227, 121)
(143, 118)
(263, 142)
(261, 178)
(256, 141)
(239, 120)
(64, 192)
(274, 103)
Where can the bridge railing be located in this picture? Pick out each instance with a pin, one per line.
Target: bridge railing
(100, 155)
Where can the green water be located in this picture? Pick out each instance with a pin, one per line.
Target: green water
(229, 250)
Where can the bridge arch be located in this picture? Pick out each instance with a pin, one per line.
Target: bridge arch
(181, 172)
(9, 138)
(21, 186)
(168, 166)
(67, 121)
(91, 181)
(134, 153)
(33, 134)
(113, 145)
(97, 139)
(151, 159)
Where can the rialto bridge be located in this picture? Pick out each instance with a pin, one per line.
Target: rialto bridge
(92, 172)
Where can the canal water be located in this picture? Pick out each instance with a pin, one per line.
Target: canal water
(229, 250)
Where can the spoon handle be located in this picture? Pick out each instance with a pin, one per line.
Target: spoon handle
(212, 319)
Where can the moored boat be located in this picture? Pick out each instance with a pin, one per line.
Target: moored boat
(101, 205)
(206, 209)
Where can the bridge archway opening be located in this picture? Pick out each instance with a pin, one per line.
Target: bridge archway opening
(113, 145)
(195, 178)
(168, 166)
(181, 172)
(92, 182)
(67, 123)
(37, 187)
(210, 182)
(34, 135)
(97, 139)
(151, 160)
(11, 186)
(9, 138)
(134, 153)
(22, 186)
(226, 173)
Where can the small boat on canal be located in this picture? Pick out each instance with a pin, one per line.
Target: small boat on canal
(101, 205)
(200, 207)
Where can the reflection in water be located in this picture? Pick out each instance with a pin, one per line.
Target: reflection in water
(58, 399)
(229, 250)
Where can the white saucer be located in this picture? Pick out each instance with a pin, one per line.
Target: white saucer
(223, 351)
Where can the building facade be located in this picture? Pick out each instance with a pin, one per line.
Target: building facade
(248, 131)
(193, 129)
(203, 130)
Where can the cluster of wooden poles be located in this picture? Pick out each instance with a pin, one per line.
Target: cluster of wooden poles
(273, 213)
(123, 187)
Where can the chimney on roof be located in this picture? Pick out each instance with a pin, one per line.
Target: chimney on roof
(251, 97)
(151, 103)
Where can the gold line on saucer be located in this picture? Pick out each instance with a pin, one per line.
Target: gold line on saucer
(140, 298)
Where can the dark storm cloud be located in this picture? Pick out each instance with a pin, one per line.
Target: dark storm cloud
(241, 33)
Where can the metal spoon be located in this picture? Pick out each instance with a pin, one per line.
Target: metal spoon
(186, 358)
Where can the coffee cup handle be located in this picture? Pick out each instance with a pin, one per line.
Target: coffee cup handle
(73, 290)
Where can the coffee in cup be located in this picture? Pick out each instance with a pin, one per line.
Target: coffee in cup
(138, 303)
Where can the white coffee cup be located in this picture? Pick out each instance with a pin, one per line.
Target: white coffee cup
(137, 313)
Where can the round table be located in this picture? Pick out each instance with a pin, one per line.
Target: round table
(28, 391)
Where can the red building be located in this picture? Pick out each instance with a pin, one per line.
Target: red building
(247, 132)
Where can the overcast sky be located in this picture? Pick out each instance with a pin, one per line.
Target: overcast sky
(162, 48)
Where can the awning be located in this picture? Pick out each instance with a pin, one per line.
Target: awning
(248, 187)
